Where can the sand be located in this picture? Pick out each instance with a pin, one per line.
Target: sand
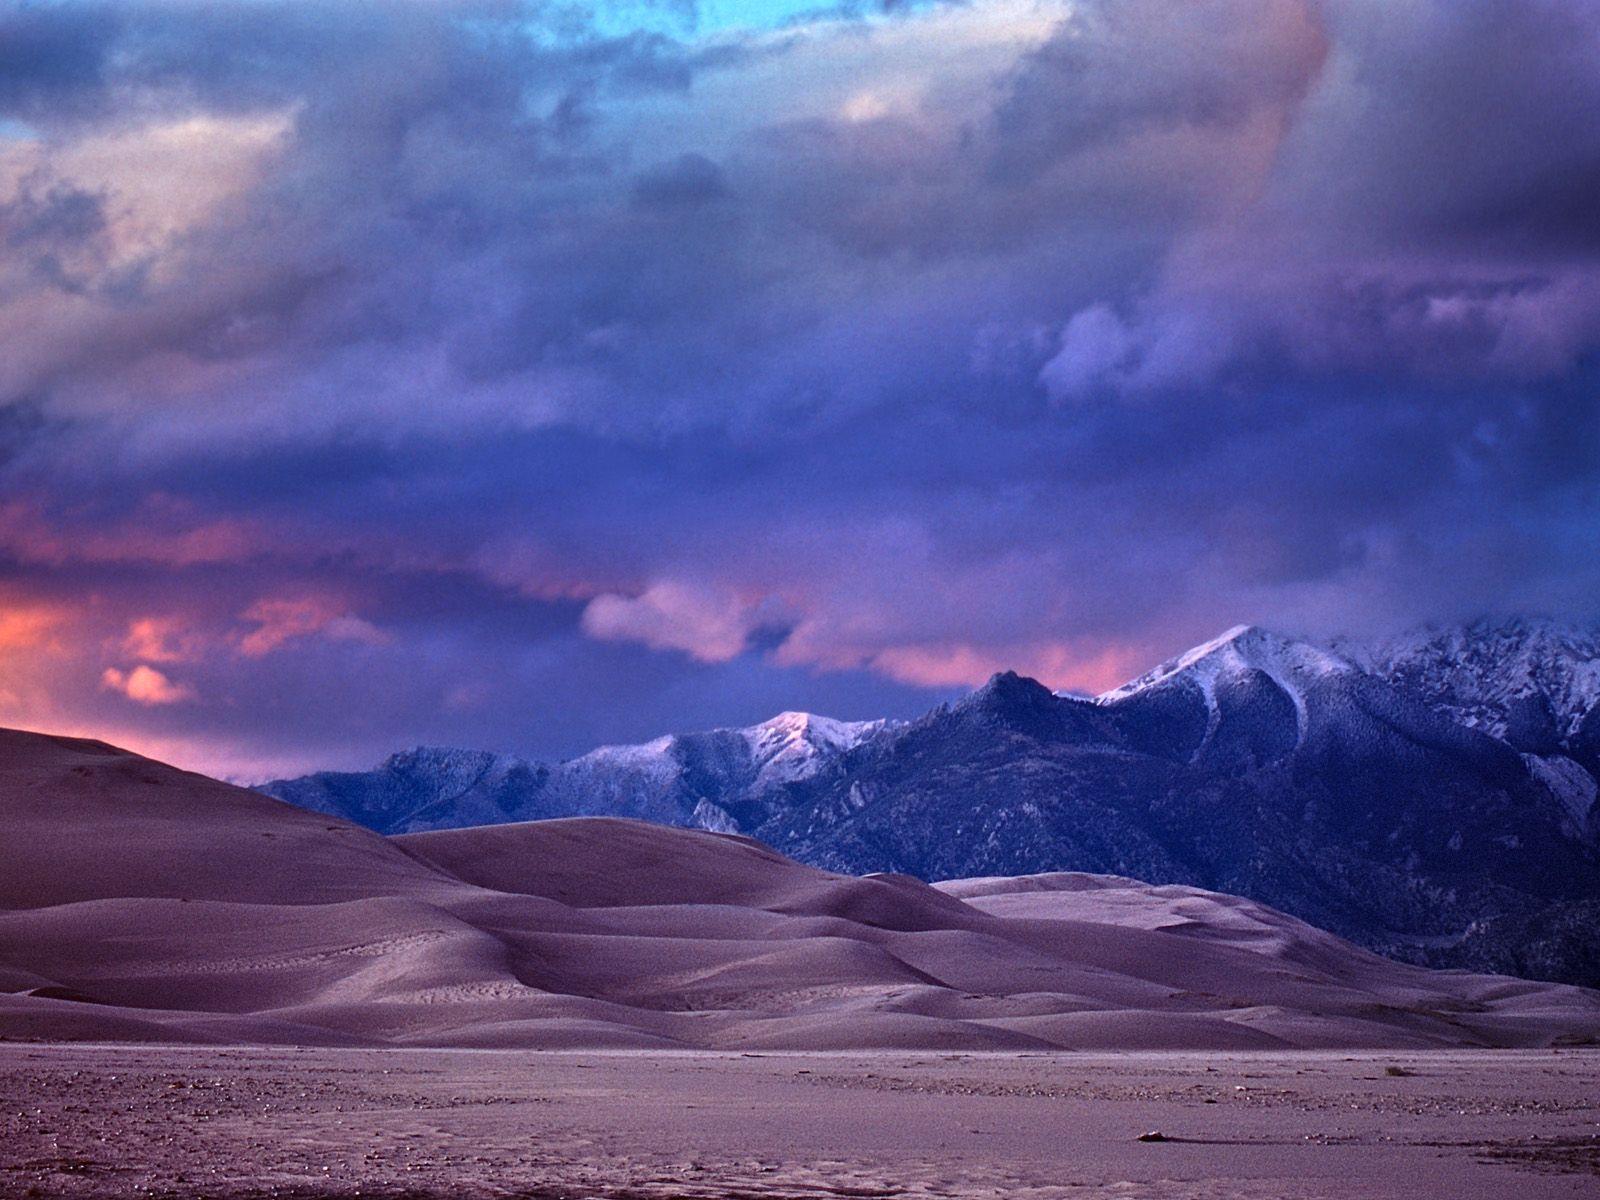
(142, 903)
(207, 993)
(223, 1123)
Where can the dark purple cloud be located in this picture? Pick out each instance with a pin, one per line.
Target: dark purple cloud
(469, 374)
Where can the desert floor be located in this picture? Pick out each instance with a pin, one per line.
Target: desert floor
(101, 1121)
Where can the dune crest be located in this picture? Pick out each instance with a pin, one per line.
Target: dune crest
(139, 902)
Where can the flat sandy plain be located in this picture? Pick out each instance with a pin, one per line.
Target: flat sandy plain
(141, 1121)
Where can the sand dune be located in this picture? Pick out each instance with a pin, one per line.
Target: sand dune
(86, 821)
(138, 902)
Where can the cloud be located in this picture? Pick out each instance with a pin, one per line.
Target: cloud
(162, 640)
(708, 625)
(1087, 669)
(26, 625)
(835, 364)
(279, 620)
(1102, 355)
(1124, 74)
(686, 181)
(145, 685)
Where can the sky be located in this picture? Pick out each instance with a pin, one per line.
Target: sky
(530, 376)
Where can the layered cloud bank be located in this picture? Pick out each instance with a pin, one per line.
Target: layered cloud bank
(504, 374)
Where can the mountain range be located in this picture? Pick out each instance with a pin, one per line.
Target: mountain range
(1431, 797)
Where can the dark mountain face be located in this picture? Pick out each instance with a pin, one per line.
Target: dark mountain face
(1342, 793)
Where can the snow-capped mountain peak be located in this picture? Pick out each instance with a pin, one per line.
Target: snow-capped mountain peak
(791, 727)
(636, 755)
(1289, 662)
(793, 745)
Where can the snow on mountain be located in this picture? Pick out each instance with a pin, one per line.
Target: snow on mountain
(693, 773)
(1520, 678)
(644, 764)
(1571, 784)
(680, 779)
(1242, 648)
(795, 745)
(1291, 665)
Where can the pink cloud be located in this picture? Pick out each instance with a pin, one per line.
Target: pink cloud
(285, 619)
(1055, 664)
(162, 640)
(706, 623)
(161, 530)
(26, 625)
(145, 685)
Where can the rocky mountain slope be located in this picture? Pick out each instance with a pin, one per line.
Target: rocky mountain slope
(1530, 682)
(1433, 798)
